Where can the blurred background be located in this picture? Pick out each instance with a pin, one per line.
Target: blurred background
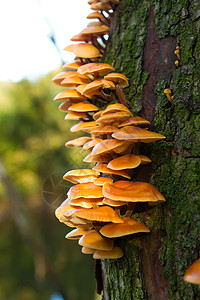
(36, 261)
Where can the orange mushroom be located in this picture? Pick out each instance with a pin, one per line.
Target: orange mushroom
(192, 274)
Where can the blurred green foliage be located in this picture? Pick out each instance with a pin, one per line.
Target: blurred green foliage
(32, 137)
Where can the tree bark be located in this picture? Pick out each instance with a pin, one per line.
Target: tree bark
(143, 38)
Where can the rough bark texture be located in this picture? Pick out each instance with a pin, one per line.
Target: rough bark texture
(144, 36)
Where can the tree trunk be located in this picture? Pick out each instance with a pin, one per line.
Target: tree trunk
(143, 38)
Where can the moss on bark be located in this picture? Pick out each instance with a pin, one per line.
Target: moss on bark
(175, 226)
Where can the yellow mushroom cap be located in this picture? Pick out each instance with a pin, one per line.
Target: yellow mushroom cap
(113, 117)
(59, 77)
(83, 107)
(136, 134)
(131, 192)
(101, 158)
(86, 190)
(92, 88)
(81, 175)
(128, 161)
(86, 202)
(69, 94)
(118, 78)
(75, 115)
(129, 226)
(84, 126)
(85, 50)
(101, 29)
(87, 250)
(134, 121)
(116, 252)
(167, 91)
(75, 234)
(104, 169)
(110, 145)
(104, 129)
(78, 142)
(112, 108)
(91, 144)
(100, 214)
(101, 180)
(93, 68)
(144, 159)
(93, 239)
(192, 274)
(114, 203)
(72, 66)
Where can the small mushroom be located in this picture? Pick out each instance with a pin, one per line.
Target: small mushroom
(81, 175)
(192, 274)
(86, 190)
(116, 252)
(129, 226)
(168, 92)
(93, 239)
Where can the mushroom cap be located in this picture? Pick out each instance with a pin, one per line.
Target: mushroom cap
(86, 190)
(129, 226)
(64, 106)
(87, 250)
(114, 117)
(104, 129)
(144, 159)
(84, 126)
(107, 84)
(73, 81)
(60, 76)
(69, 94)
(85, 50)
(80, 37)
(101, 29)
(101, 6)
(167, 91)
(131, 192)
(93, 239)
(101, 158)
(128, 161)
(134, 121)
(91, 144)
(100, 214)
(72, 66)
(114, 203)
(192, 274)
(83, 107)
(81, 175)
(86, 202)
(118, 78)
(78, 142)
(116, 252)
(112, 108)
(91, 68)
(104, 169)
(75, 234)
(75, 115)
(137, 134)
(110, 145)
(95, 15)
(92, 88)
(97, 115)
(101, 180)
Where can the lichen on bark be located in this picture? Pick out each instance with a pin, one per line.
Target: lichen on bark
(154, 264)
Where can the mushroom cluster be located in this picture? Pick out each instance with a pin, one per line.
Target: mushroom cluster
(100, 204)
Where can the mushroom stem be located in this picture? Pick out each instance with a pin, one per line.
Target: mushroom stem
(117, 210)
(97, 45)
(130, 209)
(121, 96)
